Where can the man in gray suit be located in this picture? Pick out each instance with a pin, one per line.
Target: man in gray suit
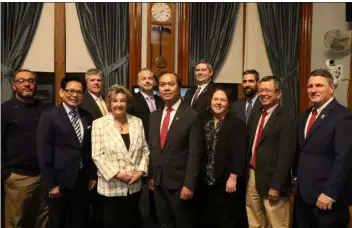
(174, 142)
(243, 108)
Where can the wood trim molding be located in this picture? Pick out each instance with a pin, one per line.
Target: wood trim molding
(305, 49)
(135, 42)
(240, 93)
(59, 47)
(349, 94)
(183, 41)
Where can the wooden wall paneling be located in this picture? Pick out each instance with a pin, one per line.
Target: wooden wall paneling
(349, 96)
(59, 47)
(183, 41)
(135, 42)
(305, 49)
(240, 93)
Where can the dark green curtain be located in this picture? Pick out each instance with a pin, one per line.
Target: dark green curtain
(105, 29)
(211, 31)
(19, 21)
(280, 27)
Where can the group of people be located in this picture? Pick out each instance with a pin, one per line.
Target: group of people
(207, 162)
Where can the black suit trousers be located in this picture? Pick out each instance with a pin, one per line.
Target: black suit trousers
(67, 211)
(217, 208)
(172, 211)
(310, 216)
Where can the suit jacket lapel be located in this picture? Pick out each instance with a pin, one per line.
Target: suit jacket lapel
(67, 125)
(203, 93)
(159, 114)
(320, 119)
(174, 123)
(84, 122)
(271, 121)
(143, 102)
(115, 136)
(132, 132)
(302, 126)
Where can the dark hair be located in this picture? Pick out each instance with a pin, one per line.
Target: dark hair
(178, 79)
(209, 66)
(323, 73)
(227, 92)
(252, 71)
(277, 81)
(24, 70)
(68, 79)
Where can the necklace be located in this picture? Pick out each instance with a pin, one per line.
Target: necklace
(120, 128)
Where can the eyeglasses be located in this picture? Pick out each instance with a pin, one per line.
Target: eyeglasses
(72, 92)
(23, 80)
(266, 90)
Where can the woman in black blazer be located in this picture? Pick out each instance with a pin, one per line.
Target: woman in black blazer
(220, 195)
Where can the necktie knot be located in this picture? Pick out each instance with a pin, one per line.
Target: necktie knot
(264, 113)
(73, 113)
(169, 109)
(314, 112)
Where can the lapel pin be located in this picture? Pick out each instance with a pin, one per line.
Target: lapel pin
(322, 116)
(176, 117)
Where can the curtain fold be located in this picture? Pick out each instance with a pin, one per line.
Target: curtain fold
(105, 27)
(211, 32)
(280, 27)
(19, 22)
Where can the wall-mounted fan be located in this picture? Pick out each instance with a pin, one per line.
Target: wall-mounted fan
(337, 41)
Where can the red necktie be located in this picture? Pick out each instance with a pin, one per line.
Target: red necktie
(259, 135)
(312, 119)
(164, 128)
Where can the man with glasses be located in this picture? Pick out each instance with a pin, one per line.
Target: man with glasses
(64, 154)
(25, 204)
(272, 140)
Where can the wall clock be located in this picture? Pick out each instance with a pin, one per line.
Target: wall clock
(161, 37)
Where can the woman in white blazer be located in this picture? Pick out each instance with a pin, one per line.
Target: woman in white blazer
(121, 154)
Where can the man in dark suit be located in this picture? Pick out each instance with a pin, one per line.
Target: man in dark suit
(92, 99)
(174, 139)
(198, 98)
(271, 153)
(95, 104)
(143, 103)
(325, 153)
(64, 155)
(243, 108)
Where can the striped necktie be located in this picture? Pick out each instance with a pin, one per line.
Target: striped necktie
(75, 124)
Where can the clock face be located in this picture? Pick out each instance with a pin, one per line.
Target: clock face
(161, 12)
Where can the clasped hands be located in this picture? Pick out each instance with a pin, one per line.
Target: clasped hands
(129, 178)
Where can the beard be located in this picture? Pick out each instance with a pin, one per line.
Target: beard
(27, 97)
(249, 92)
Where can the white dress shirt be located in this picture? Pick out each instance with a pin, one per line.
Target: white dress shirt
(172, 114)
(202, 87)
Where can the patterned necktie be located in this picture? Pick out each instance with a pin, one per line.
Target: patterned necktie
(312, 119)
(164, 128)
(196, 94)
(75, 124)
(101, 106)
(248, 110)
(259, 135)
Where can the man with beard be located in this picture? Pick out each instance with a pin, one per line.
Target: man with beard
(243, 108)
(143, 103)
(25, 204)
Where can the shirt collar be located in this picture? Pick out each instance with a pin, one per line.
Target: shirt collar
(324, 105)
(68, 109)
(145, 95)
(95, 97)
(174, 106)
(271, 110)
(204, 85)
(253, 99)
